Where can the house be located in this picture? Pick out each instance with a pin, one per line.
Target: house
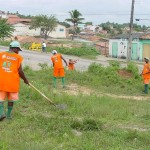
(81, 26)
(94, 29)
(3, 15)
(59, 32)
(22, 28)
(118, 46)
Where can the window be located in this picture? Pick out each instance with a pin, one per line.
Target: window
(61, 30)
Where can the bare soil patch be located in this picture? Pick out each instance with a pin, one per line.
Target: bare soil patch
(125, 74)
(75, 89)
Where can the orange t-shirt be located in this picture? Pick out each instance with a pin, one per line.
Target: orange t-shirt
(71, 66)
(146, 70)
(9, 75)
(57, 61)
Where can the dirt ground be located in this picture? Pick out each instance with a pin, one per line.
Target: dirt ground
(74, 89)
(125, 74)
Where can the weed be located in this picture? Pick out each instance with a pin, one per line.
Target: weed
(132, 67)
(87, 125)
(44, 66)
(115, 64)
(132, 134)
(5, 43)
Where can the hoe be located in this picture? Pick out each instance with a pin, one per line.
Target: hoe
(61, 106)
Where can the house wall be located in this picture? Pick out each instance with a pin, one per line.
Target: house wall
(142, 43)
(4, 16)
(123, 47)
(23, 29)
(60, 32)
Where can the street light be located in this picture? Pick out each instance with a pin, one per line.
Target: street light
(141, 19)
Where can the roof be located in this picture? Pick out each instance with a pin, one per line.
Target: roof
(139, 35)
(2, 12)
(13, 19)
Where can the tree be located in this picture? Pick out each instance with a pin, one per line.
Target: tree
(47, 24)
(89, 23)
(5, 29)
(67, 25)
(75, 18)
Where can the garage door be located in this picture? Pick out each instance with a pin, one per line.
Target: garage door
(146, 50)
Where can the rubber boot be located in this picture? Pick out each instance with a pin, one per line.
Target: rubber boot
(146, 88)
(10, 108)
(63, 82)
(2, 115)
(54, 81)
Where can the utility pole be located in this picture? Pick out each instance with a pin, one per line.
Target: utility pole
(130, 33)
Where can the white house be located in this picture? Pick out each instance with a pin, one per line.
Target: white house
(93, 28)
(24, 29)
(59, 32)
(3, 15)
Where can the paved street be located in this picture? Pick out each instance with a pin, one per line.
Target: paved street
(33, 58)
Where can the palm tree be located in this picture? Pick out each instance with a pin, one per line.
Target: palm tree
(75, 18)
(6, 29)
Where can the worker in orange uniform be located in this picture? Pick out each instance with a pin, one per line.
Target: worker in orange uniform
(58, 67)
(146, 74)
(10, 73)
(71, 64)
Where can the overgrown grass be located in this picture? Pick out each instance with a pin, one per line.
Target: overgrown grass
(4, 43)
(84, 51)
(90, 122)
(107, 79)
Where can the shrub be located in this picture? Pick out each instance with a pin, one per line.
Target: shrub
(5, 43)
(95, 68)
(133, 68)
(77, 51)
(115, 64)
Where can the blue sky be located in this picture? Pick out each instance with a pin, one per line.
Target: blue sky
(97, 11)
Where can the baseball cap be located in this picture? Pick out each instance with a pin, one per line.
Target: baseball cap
(54, 52)
(15, 44)
(146, 58)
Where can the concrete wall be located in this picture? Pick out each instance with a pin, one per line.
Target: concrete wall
(23, 29)
(122, 47)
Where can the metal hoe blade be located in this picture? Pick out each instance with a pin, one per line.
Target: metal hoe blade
(61, 106)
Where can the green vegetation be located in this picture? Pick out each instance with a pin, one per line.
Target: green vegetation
(83, 51)
(4, 43)
(90, 122)
(5, 29)
(75, 18)
(115, 28)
